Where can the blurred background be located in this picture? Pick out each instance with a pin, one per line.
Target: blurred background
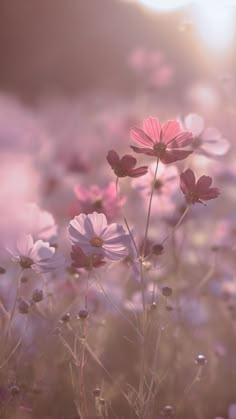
(74, 46)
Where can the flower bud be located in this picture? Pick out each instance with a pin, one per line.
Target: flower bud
(201, 360)
(24, 307)
(65, 318)
(37, 296)
(83, 313)
(166, 291)
(97, 392)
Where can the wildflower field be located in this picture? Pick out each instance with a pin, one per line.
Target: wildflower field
(118, 217)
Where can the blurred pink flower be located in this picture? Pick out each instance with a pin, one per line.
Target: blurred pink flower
(167, 180)
(151, 67)
(166, 184)
(161, 141)
(38, 255)
(94, 236)
(40, 224)
(97, 199)
(196, 192)
(125, 166)
(206, 141)
(81, 260)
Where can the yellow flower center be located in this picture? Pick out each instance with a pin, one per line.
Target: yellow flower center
(96, 242)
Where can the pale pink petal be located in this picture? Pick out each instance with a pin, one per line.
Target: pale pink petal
(217, 147)
(24, 244)
(152, 127)
(194, 123)
(98, 221)
(41, 251)
(211, 133)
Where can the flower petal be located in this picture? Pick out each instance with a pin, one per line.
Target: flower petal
(194, 123)
(152, 127)
(128, 162)
(140, 171)
(169, 131)
(140, 137)
(182, 140)
(113, 158)
(99, 222)
(144, 150)
(187, 181)
(175, 155)
(203, 183)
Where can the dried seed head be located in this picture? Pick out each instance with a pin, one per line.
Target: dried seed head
(24, 307)
(157, 249)
(168, 411)
(24, 279)
(65, 318)
(37, 296)
(153, 306)
(102, 401)
(97, 392)
(83, 314)
(167, 291)
(14, 390)
(201, 360)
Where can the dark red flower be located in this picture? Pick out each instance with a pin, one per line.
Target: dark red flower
(197, 191)
(124, 166)
(161, 141)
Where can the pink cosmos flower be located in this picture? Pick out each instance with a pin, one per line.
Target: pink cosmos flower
(38, 255)
(161, 141)
(81, 260)
(97, 199)
(206, 141)
(166, 184)
(196, 192)
(94, 236)
(125, 166)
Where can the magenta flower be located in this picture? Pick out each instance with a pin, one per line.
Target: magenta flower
(196, 192)
(81, 260)
(38, 255)
(161, 141)
(95, 237)
(125, 166)
(97, 199)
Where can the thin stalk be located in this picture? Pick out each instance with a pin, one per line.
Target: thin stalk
(126, 222)
(149, 209)
(118, 310)
(176, 225)
(11, 315)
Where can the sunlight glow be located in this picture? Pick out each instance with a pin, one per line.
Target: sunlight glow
(215, 20)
